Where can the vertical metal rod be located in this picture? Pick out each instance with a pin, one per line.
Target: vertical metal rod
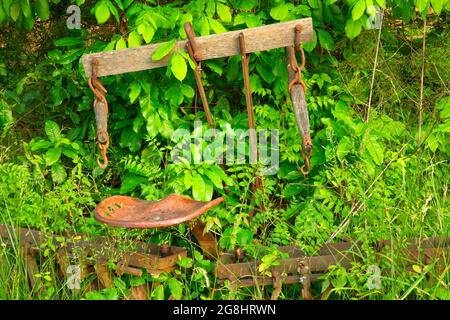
(193, 53)
(248, 100)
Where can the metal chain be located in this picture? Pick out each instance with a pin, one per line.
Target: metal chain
(100, 105)
(306, 141)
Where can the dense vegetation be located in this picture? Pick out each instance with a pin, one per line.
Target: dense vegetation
(385, 177)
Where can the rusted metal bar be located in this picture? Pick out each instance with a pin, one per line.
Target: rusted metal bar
(101, 113)
(208, 243)
(143, 255)
(248, 99)
(214, 46)
(299, 268)
(297, 91)
(193, 50)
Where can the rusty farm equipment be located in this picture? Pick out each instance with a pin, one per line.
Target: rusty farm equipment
(120, 211)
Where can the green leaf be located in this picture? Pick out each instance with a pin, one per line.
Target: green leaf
(326, 40)
(163, 50)
(3, 18)
(244, 237)
(42, 9)
(175, 287)
(130, 139)
(158, 293)
(59, 174)
(279, 12)
(147, 31)
(215, 179)
(178, 66)
(26, 8)
(344, 147)
(130, 182)
(52, 130)
(41, 144)
(102, 12)
(52, 156)
(422, 4)
(223, 12)
(187, 90)
(135, 91)
(198, 187)
(352, 28)
(14, 11)
(437, 5)
(69, 42)
(216, 26)
(358, 9)
(121, 44)
(375, 149)
(134, 40)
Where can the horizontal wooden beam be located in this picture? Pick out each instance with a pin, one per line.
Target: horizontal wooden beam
(210, 47)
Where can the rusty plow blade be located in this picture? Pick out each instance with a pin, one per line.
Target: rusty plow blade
(128, 212)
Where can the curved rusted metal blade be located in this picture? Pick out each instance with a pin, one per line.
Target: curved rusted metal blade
(128, 212)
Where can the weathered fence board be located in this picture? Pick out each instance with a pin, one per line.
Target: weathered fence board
(210, 47)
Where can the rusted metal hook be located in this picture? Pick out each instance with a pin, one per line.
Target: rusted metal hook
(101, 114)
(296, 84)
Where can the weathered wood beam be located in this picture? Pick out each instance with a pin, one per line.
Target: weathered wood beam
(210, 47)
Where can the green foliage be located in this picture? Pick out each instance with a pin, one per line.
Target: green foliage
(372, 174)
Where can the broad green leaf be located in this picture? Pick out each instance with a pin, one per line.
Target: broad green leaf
(113, 10)
(158, 293)
(343, 148)
(216, 26)
(42, 9)
(421, 4)
(59, 174)
(102, 13)
(352, 28)
(358, 9)
(437, 5)
(41, 144)
(223, 12)
(375, 149)
(209, 190)
(135, 91)
(187, 90)
(69, 42)
(121, 44)
(3, 18)
(198, 187)
(163, 50)
(130, 182)
(26, 8)
(279, 12)
(204, 26)
(52, 130)
(178, 66)
(148, 32)
(326, 40)
(244, 237)
(52, 156)
(134, 40)
(14, 11)
(175, 287)
(130, 139)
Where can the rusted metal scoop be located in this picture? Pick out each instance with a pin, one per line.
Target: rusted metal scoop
(122, 211)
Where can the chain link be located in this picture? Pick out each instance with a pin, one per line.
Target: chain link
(297, 80)
(100, 105)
